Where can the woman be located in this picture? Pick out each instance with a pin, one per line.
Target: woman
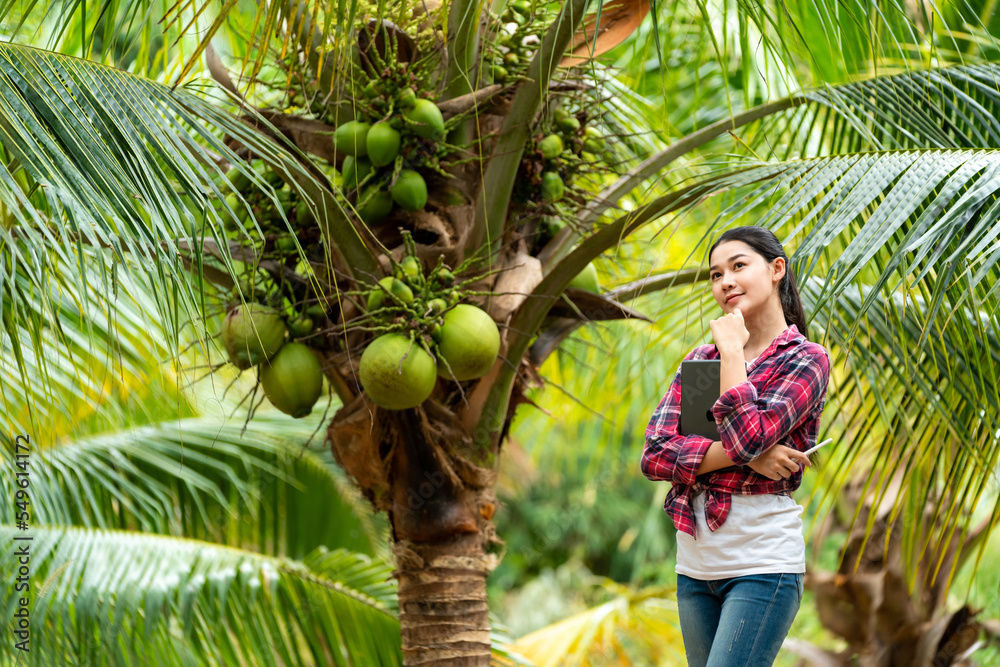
(740, 551)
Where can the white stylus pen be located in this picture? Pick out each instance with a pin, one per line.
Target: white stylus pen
(813, 449)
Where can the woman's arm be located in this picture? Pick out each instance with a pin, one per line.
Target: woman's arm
(732, 370)
(780, 461)
(749, 423)
(777, 462)
(715, 459)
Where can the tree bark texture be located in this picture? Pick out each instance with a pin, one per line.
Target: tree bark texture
(443, 608)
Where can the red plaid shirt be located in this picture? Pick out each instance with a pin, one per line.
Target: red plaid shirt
(780, 402)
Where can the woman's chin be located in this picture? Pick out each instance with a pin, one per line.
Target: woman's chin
(731, 307)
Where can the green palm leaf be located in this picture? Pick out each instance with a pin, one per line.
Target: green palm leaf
(79, 358)
(639, 624)
(928, 412)
(96, 157)
(205, 480)
(111, 597)
(126, 35)
(949, 107)
(953, 107)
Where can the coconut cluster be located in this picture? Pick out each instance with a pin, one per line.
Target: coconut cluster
(517, 31)
(557, 156)
(425, 332)
(389, 146)
(254, 334)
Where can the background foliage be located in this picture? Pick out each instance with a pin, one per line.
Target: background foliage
(141, 450)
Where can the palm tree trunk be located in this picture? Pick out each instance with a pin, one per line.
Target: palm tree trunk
(441, 564)
(443, 609)
(417, 465)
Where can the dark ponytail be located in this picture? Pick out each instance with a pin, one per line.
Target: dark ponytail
(766, 244)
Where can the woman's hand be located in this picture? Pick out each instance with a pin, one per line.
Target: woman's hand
(730, 333)
(779, 462)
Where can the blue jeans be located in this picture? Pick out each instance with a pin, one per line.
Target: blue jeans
(736, 622)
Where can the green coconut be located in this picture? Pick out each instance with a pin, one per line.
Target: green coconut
(292, 380)
(427, 119)
(553, 188)
(593, 140)
(468, 343)
(395, 286)
(354, 171)
(376, 205)
(551, 146)
(302, 213)
(238, 181)
(443, 276)
(552, 225)
(234, 202)
(301, 326)
(410, 270)
(285, 243)
(396, 372)
(251, 334)
(351, 138)
(406, 98)
(264, 171)
(383, 144)
(569, 125)
(409, 190)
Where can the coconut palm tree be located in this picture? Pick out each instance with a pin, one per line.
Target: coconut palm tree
(161, 522)
(501, 167)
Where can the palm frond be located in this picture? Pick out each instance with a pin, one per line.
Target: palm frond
(96, 157)
(126, 35)
(112, 597)
(923, 415)
(952, 107)
(203, 479)
(80, 361)
(948, 107)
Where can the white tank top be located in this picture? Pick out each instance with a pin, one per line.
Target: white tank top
(761, 535)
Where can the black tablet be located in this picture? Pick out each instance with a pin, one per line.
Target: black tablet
(699, 392)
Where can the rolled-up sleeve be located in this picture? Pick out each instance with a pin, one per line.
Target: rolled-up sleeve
(750, 423)
(668, 455)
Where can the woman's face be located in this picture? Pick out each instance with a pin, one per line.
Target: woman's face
(742, 278)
